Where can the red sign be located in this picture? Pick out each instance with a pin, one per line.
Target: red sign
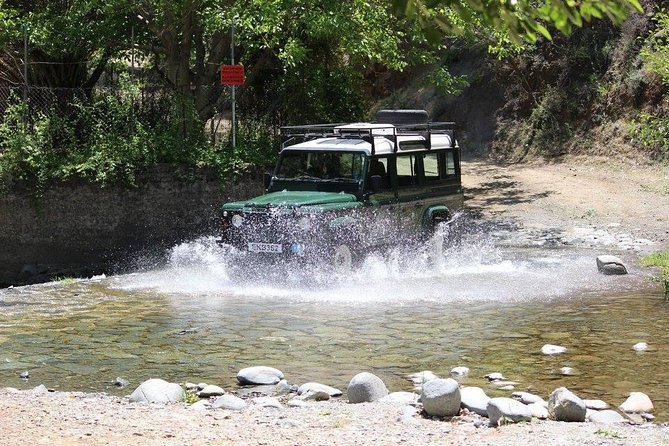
(232, 74)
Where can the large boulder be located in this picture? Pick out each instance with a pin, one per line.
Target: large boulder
(441, 397)
(563, 405)
(157, 391)
(637, 402)
(475, 400)
(366, 387)
(507, 410)
(611, 265)
(259, 375)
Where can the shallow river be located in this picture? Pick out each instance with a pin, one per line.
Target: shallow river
(487, 306)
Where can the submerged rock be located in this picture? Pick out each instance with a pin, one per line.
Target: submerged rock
(259, 375)
(441, 397)
(611, 265)
(640, 346)
(563, 405)
(120, 382)
(507, 410)
(157, 391)
(366, 387)
(550, 349)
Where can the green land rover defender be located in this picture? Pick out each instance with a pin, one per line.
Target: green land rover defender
(341, 190)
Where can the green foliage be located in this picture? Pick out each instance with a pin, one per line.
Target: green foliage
(651, 132)
(655, 52)
(659, 260)
(446, 83)
(190, 397)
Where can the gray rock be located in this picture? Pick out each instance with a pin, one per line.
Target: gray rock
(495, 376)
(366, 387)
(637, 402)
(610, 265)
(539, 410)
(319, 388)
(228, 402)
(281, 388)
(441, 397)
(120, 382)
(296, 402)
(200, 405)
(550, 349)
(41, 389)
(259, 375)
(192, 387)
(596, 404)
(421, 378)
(407, 415)
(24, 375)
(526, 397)
(605, 416)
(563, 405)
(507, 410)
(458, 372)
(157, 391)
(267, 401)
(404, 398)
(475, 400)
(567, 371)
(211, 390)
(640, 346)
(314, 395)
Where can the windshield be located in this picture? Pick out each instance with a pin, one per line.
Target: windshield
(338, 166)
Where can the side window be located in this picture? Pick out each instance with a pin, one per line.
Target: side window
(431, 166)
(450, 163)
(379, 166)
(406, 170)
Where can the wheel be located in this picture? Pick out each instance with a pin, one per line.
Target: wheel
(342, 259)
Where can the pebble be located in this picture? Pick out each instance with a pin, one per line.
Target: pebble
(567, 371)
(297, 402)
(495, 376)
(120, 382)
(527, 398)
(459, 371)
(314, 395)
(24, 375)
(267, 401)
(211, 390)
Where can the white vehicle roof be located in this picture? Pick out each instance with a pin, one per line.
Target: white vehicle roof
(356, 138)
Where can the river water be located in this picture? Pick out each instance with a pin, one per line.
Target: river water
(489, 305)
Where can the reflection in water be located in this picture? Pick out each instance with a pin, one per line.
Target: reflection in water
(485, 307)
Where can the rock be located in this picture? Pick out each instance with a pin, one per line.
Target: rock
(365, 387)
(647, 416)
(211, 390)
(637, 402)
(421, 378)
(596, 404)
(495, 376)
(200, 405)
(228, 402)
(157, 391)
(550, 349)
(404, 398)
(640, 346)
(39, 390)
(259, 375)
(539, 410)
(605, 416)
(192, 387)
(283, 388)
(297, 402)
(475, 400)
(610, 265)
(563, 405)
(441, 397)
(527, 398)
(24, 375)
(507, 410)
(460, 371)
(314, 395)
(267, 401)
(319, 388)
(504, 385)
(567, 371)
(120, 382)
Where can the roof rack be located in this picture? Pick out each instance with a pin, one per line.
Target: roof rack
(291, 135)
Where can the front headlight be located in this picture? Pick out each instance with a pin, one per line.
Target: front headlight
(304, 223)
(237, 220)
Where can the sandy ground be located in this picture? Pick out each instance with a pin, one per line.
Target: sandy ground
(624, 198)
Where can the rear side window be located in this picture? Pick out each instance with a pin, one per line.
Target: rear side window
(406, 170)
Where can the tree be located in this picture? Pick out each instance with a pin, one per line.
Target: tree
(519, 18)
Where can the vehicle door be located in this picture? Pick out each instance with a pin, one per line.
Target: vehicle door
(381, 211)
(409, 192)
(439, 177)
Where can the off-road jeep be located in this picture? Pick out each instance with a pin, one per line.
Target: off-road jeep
(341, 190)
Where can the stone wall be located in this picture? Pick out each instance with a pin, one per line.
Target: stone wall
(82, 230)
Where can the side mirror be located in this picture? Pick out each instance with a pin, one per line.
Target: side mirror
(375, 182)
(266, 179)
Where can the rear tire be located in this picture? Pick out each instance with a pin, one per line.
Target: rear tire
(342, 259)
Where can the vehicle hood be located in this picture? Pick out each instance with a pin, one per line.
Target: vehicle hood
(293, 199)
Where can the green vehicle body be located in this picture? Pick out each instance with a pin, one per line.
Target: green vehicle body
(390, 183)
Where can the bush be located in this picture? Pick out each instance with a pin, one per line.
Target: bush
(660, 260)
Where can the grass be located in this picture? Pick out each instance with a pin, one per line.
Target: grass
(607, 433)
(659, 260)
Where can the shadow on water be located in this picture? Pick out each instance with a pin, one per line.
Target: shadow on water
(487, 305)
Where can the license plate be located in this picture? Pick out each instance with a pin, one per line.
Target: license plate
(265, 247)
